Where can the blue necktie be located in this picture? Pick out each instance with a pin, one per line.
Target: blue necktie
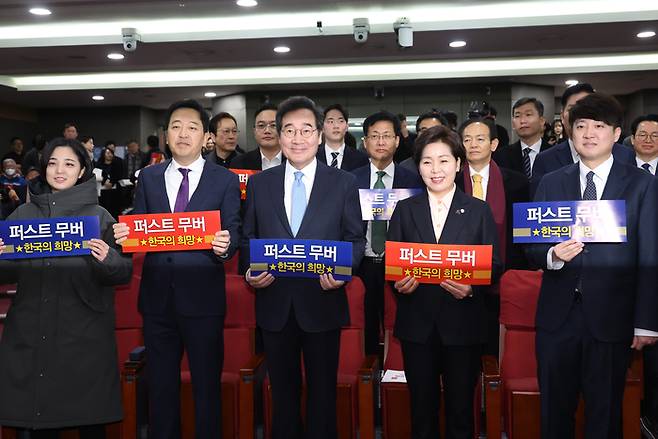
(298, 202)
(590, 187)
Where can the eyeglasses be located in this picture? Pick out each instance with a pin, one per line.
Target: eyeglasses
(227, 131)
(261, 126)
(306, 132)
(378, 137)
(644, 136)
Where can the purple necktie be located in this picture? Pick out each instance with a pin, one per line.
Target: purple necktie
(183, 192)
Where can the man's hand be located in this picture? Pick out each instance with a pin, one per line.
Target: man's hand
(640, 341)
(406, 285)
(458, 291)
(263, 280)
(2, 246)
(327, 282)
(221, 242)
(567, 250)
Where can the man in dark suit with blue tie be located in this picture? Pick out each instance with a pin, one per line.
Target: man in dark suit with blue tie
(182, 296)
(333, 151)
(381, 139)
(598, 299)
(304, 199)
(564, 153)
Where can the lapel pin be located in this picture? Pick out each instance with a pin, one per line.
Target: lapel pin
(460, 211)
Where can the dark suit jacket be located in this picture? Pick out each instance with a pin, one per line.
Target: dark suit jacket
(559, 156)
(332, 213)
(618, 281)
(353, 158)
(194, 280)
(459, 322)
(516, 191)
(250, 160)
(511, 157)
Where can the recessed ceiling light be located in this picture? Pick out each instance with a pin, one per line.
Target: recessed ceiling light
(40, 11)
(282, 49)
(210, 94)
(246, 3)
(458, 43)
(570, 82)
(115, 55)
(98, 98)
(646, 34)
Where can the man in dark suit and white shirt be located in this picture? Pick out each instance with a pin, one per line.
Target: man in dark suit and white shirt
(565, 153)
(304, 199)
(268, 152)
(224, 128)
(333, 151)
(424, 121)
(381, 139)
(597, 299)
(644, 138)
(528, 124)
(182, 296)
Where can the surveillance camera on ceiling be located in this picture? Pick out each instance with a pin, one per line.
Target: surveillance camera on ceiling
(361, 28)
(404, 31)
(130, 38)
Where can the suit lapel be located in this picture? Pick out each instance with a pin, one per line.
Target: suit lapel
(571, 182)
(455, 220)
(163, 199)
(423, 218)
(204, 182)
(320, 194)
(564, 154)
(277, 184)
(517, 156)
(321, 154)
(618, 179)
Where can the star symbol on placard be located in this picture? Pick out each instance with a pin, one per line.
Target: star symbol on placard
(19, 248)
(199, 240)
(272, 267)
(467, 274)
(535, 232)
(407, 272)
(243, 191)
(77, 245)
(143, 242)
(330, 269)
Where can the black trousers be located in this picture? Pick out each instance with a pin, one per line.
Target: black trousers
(650, 404)
(372, 274)
(283, 353)
(424, 364)
(570, 362)
(165, 337)
(86, 432)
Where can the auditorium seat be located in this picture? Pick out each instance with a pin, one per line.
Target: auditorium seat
(357, 375)
(511, 389)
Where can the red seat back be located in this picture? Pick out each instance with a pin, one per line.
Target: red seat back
(351, 336)
(128, 324)
(390, 306)
(239, 323)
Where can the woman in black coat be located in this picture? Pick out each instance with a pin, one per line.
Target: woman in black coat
(58, 360)
(442, 328)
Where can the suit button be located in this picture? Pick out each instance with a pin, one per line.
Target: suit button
(169, 259)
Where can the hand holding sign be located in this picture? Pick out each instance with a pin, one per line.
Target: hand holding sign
(2, 246)
(406, 285)
(567, 250)
(121, 231)
(263, 280)
(327, 282)
(458, 291)
(221, 242)
(99, 249)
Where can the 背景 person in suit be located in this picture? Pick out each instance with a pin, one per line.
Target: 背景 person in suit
(426, 120)
(442, 328)
(182, 294)
(528, 123)
(644, 138)
(381, 139)
(305, 199)
(596, 299)
(268, 152)
(333, 151)
(565, 153)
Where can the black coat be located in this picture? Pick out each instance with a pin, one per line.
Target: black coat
(58, 359)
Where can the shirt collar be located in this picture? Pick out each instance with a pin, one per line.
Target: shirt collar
(446, 201)
(340, 150)
(390, 169)
(602, 171)
(535, 146)
(484, 172)
(195, 166)
(308, 170)
(263, 158)
(640, 162)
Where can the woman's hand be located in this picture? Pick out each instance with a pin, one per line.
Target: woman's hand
(121, 231)
(458, 291)
(99, 249)
(407, 285)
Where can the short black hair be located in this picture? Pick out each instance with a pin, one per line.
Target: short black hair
(645, 118)
(493, 130)
(294, 103)
(443, 135)
(217, 119)
(69, 125)
(534, 101)
(192, 105)
(598, 107)
(432, 115)
(451, 117)
(130, 141)
(379, 117)
(85, 139)
(110, 142)
(14, 139)
(575, 89)
(339, 108)
(78, 149)
(153, 141)
(265, 107)
(402, 117)
(39, 142)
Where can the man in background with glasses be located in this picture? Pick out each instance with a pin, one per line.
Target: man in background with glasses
(224, 128)
(268, 151)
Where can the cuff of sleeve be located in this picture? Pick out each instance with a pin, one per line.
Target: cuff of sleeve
(550, 265)
(645, 333)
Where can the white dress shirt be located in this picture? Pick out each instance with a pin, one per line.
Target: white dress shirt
(267, 163)
(439, 209)
(307, 179)
(341, 153)
(652, 164)
(388, 183)
(173, 178)
(534, 150)
(484, 173)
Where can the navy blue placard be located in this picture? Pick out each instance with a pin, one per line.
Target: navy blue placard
(301, 258)
(48, 237)
(557, 221)
(379, 204)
